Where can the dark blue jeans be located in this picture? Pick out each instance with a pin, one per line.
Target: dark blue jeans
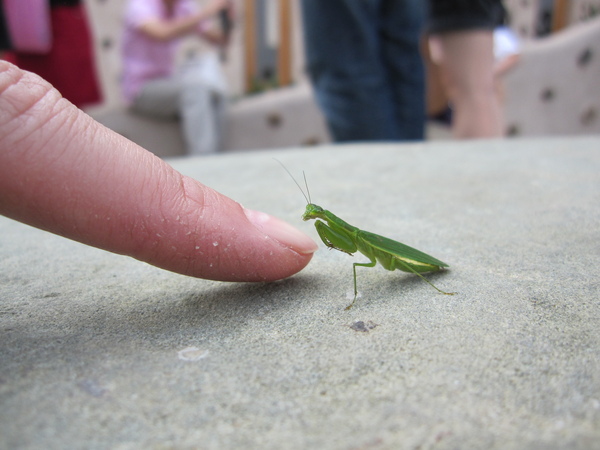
(364, 62)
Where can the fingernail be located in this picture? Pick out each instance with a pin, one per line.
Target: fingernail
(282, 232)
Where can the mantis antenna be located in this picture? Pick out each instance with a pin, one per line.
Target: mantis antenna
(306, 184)
(306, 197)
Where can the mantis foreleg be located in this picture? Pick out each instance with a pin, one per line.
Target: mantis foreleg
(335, 239)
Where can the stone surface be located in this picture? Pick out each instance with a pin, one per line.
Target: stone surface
(101, 351)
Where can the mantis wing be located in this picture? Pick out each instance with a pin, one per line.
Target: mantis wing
(398, 249)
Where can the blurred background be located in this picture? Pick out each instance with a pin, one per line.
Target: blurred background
(553, 89)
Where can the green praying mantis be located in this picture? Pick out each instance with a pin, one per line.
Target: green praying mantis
(340, 235)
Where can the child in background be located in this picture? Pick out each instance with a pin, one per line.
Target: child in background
(151, 83)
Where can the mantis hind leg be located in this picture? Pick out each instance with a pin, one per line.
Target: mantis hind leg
(407, 267)
(369, 264)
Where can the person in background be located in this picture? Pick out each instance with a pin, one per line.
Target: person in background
(507, 53)
(68, 61)
(460, 45)
(151, 83)
(364, 61)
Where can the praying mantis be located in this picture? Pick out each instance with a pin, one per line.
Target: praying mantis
(340, 235)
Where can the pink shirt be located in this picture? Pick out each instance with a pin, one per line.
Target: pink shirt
(144, 58)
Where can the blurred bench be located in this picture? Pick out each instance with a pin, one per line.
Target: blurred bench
(286, 117)
(555, 88)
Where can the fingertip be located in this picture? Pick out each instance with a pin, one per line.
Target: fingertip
(282, 232)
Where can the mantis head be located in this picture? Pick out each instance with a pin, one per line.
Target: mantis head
(312, 212)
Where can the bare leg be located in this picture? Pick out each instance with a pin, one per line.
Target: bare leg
(436, 98)
(466, 60)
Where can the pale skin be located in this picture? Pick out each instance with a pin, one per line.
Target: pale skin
(65, 173)
(468, 74)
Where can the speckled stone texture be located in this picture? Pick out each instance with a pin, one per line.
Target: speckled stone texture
(102, 351)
